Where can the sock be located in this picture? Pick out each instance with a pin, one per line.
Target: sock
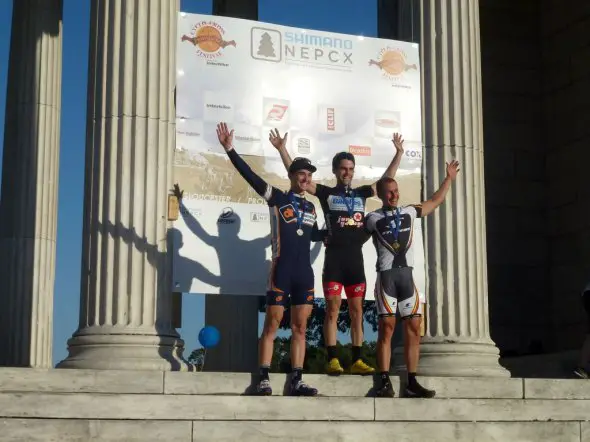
(297, 373)
(384, 375)
(356, 353)
(264, 369)
(411, 379)
(332, 352)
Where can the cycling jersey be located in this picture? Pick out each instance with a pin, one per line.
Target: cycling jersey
(344, 210)
(293, 227)
(393, 233)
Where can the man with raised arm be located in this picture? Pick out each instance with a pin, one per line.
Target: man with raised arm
(293, 227)
(344, 210)
(392, 228)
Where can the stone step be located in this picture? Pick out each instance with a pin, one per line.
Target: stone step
(83, 430)
(178, 383)
(244, 408)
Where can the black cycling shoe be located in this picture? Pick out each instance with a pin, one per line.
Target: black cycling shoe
(418, 391)
(263, 388)
(300, 388)
(386, 390)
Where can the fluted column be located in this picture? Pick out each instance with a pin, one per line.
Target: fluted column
(125, 311)
(458, 339)
(28, 203)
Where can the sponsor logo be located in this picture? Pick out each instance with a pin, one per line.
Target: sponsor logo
(413, 154)
(205, 197)
(279, 298)
(304, 146)
(337, 203)
(218, 106)
(227, 216)
(266, 44)
(208, 39)
(363, 151)
(247, 139)
(189, 134)
(358, 216)
(343, 222)
(258, 217)
(387, 123)
(192, 212)
(287, 213)
(330, 120)
(277, 112)
(303, 48)
(392, 62)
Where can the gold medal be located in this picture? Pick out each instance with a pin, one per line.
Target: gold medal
(396, 246)
(350, 222)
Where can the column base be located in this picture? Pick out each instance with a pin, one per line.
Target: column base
(118, 348)
(454, 358)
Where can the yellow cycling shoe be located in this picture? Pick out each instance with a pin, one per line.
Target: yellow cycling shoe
(359, 367)
(334, 368)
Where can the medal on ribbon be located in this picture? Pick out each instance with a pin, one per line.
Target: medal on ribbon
(349, 208)
(395, 225)
(299, 212)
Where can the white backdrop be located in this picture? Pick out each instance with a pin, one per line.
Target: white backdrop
(331, 92)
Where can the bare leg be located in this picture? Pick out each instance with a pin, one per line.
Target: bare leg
(412, 343)
(331, 319)
(299, 316)
(355, 308)
(272, 320)
(385, 332)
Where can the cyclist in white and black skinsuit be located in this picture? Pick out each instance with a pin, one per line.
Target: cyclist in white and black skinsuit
(392, 228)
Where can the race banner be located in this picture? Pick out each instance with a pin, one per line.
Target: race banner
(330, 92)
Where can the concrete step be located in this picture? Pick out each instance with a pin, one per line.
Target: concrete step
(82, 430)
(177, 383)
(92, 405)
(201, 407)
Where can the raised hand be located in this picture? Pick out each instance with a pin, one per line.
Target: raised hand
(225, 137)
(177, 192)
(453, 169)
(275, 139)
(398, 142)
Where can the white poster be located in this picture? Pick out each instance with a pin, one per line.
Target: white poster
(330, 92)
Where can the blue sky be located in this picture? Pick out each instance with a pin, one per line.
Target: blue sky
(357, 17)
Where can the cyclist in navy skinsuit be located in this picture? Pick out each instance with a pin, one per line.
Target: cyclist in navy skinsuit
(293, 227)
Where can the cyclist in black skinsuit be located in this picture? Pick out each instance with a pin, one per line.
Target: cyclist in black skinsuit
(344, 210)
(293, 227)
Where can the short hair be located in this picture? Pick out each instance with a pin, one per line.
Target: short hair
(383, 181)
(341, 156)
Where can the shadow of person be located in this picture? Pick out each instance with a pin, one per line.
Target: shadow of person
(243, 265)
(171, 346)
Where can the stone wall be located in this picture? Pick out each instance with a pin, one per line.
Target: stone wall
(565, 129)
(516, 184)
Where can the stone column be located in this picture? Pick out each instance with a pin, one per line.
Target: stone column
(235, 316)
(28, 203)
(125, 311)
(458, 340)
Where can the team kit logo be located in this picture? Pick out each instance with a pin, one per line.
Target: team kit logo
(393, 63)
(208, 38)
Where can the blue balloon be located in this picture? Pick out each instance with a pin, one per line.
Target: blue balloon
(209, 336)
